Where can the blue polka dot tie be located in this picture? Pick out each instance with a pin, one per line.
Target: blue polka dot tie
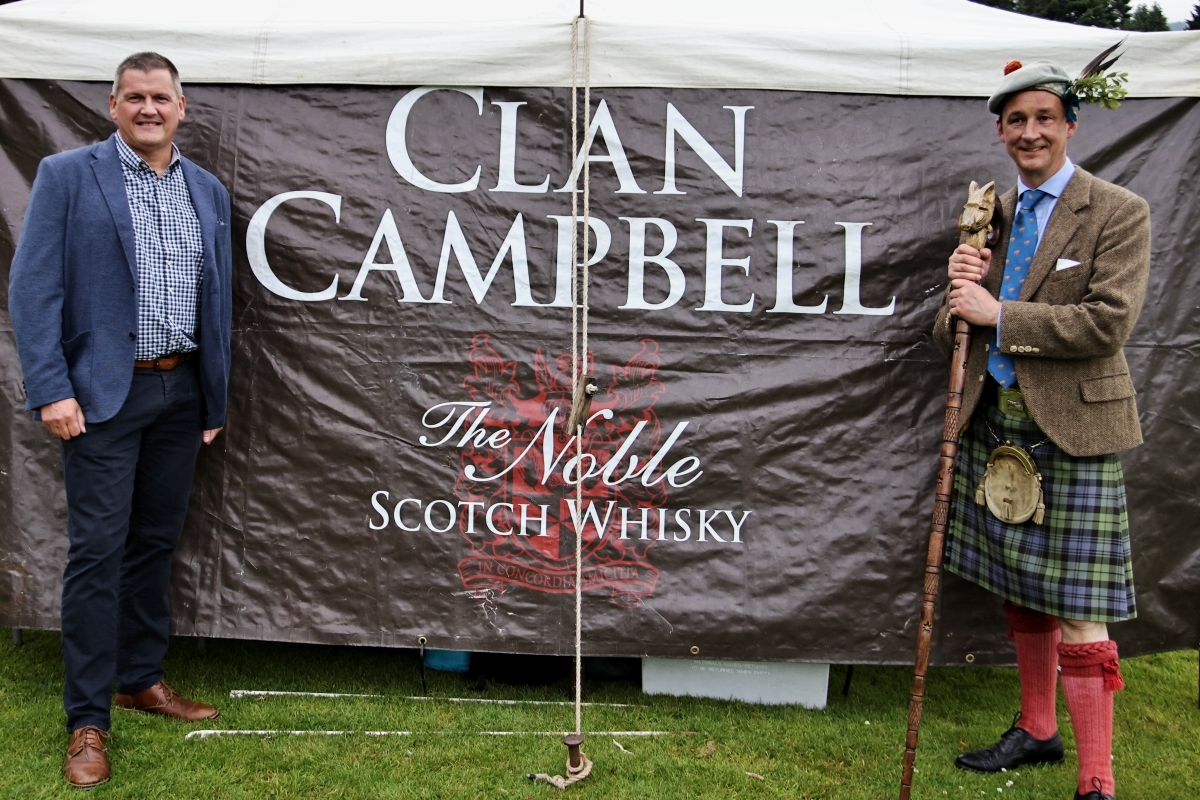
(1022, 244)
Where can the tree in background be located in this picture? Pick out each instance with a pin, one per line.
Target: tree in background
(1194, 23)
(1097, 13)
(1149, 18)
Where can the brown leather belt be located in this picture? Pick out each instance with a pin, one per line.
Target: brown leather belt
(165, 363)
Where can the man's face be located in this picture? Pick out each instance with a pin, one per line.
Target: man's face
(147, 109)
(1033, 126)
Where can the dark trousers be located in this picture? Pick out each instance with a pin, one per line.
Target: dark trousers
(128, 480)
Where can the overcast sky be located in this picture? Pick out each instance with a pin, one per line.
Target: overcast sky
(1176, 10)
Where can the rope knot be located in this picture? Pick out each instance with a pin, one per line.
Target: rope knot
(574, 774)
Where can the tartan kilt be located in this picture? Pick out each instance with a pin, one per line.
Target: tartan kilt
(1077, 564)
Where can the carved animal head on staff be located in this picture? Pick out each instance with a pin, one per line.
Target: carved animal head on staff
(975, 222)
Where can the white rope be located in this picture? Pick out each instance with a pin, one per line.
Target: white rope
(574, 774)
(574, 208)
(579, 355)
(579, 322)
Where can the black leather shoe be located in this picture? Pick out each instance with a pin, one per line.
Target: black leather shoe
(1097, 794)
(1016, 748)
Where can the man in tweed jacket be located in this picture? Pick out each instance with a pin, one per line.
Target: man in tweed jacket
(1052, 307)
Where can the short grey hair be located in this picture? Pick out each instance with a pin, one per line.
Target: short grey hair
(145, 62)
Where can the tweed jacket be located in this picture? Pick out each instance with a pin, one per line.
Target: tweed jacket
(1066, 331)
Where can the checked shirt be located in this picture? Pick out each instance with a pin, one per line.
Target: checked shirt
(169, 251)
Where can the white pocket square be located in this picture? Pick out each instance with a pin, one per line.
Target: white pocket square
(1064, 263)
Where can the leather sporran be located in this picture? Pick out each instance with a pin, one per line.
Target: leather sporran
(1012, 486)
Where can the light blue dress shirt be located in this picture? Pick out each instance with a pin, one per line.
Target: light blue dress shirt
(1053, 187)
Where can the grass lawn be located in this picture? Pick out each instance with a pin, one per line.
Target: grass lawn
(852, 749)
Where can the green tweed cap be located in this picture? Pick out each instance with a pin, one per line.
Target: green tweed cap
(1042, 75)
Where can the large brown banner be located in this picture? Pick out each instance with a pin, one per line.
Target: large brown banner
(757, 476)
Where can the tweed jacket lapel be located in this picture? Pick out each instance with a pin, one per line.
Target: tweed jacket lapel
(1062, 226)
(995, 276)
(107, 166)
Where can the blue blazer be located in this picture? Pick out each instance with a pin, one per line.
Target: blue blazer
(72, 290)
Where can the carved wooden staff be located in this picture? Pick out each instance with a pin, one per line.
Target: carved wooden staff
(977, 231)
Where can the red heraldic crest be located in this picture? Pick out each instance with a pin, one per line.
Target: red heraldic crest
(524, 530)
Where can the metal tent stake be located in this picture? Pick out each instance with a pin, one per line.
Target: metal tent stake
(574, 741)
(421, 640)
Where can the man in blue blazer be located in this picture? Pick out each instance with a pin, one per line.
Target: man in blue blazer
(120, 301)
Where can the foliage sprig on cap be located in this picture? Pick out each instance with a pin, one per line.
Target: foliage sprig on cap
(1094, 85)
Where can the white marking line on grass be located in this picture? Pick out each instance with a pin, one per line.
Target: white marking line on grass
(523, 702)
(238, 693)
(207, 733)
(564, 733)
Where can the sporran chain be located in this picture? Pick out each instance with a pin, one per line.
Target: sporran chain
(1000, 441)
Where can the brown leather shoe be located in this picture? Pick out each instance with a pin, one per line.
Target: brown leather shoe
(161, 699)
(86, 764)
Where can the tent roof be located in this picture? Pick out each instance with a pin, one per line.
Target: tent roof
(918, 47)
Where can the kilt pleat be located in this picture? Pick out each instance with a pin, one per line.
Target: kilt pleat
(1077, 564)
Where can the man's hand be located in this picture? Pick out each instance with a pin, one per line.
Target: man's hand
(209, 435)
(969, 300)
(972, 302)
(64, 418)
(969, 264)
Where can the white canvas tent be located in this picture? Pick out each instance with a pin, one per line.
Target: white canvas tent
(810, 391)
(896, 47)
